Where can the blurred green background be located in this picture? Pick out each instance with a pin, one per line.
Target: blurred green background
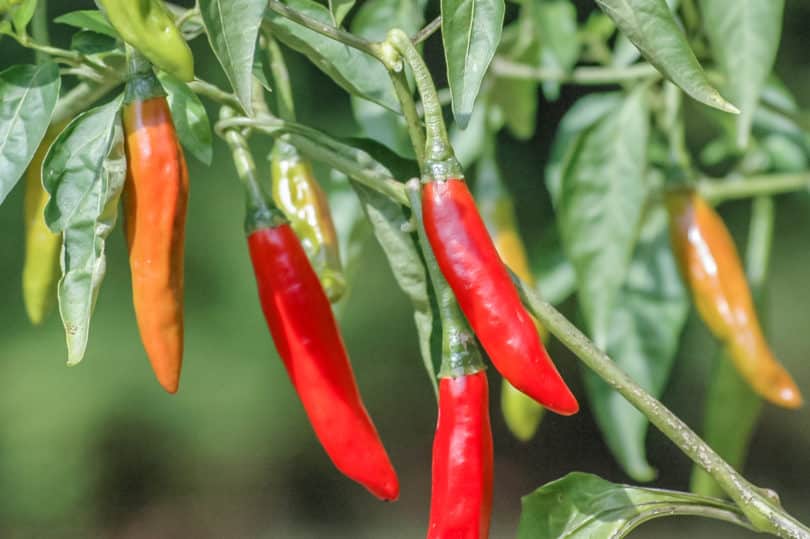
(100, 451)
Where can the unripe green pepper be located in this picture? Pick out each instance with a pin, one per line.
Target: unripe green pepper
(296, 191)
(149, 27)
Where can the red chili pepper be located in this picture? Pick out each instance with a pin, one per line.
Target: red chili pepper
(461, 500)
(487, 296)
(307, 338)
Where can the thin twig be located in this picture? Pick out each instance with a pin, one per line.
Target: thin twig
(427, 31)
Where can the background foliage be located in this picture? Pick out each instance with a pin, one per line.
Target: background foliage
(100, 450)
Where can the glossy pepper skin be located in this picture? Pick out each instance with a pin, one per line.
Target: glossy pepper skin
(487, 296)
(148, 26)
(296, 191)
(520, 412)
(711, 267)
(42, 247)
(461, 499)
(307, 339)
(155, 201)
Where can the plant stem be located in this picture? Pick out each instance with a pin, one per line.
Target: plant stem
(325, 29)
(39, 28)
(759, 510)
(210, 91)
(582, 75)
(717, 191)
(411, 113)
(439, 159)
(283, 89)
(427, 31)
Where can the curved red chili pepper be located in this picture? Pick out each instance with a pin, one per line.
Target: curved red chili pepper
(487, 296)
(308, 341)
(461, 500)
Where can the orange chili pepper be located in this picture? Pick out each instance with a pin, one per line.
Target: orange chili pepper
(155, 200)
(712, 270)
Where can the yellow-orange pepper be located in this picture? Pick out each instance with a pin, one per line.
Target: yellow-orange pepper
(42, 247)
(711, 267)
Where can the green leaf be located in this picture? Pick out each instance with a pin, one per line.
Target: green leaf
(339, 9)
(189, 116)
(353, 70)
(471, 31)
(390, 224)
(585, 506)
(557, 26)
(233, 27)
(22, 15)
(468, 144)
(373, 21)
(645, 324)
(652, 28)
(601, 199)
(88, 19)
(84, 174)
(29, 95)
(88, 42)
(555, 275)
(580, 117)
(744, 35)
(624, 52)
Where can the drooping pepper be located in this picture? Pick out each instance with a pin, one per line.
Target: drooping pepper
(307, 338)
(298, 194)
(521, 413)
(461, 493)
(42, 247)
(149, 26)
(468, 259)
(155, 201)
(711, 268)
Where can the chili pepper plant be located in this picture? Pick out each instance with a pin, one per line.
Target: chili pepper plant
(101, 129)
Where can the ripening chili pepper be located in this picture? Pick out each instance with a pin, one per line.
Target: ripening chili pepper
(42, 247)
(155, 201)
(461, 493)
(300, 197)
(149, 26)
(521, 413)
(487, 297)
(461, 499)
(307, 337)
(711, 267)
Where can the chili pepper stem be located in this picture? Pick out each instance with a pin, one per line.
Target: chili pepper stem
(440, 162)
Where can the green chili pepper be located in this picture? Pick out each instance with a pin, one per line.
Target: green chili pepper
(149, 27)
(42, 247)
(296, 191)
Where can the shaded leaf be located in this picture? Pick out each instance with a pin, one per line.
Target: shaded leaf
(88, 42)
(599, 208)
(471, 31)
(29, 95)
(580, 117)
(645, 325)
(652, 28)
(554, 273)
(233, 27)
(353, 70)
(744, 36)
(584, 506)
(189, 116)
(84, 174)
(88, 19)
